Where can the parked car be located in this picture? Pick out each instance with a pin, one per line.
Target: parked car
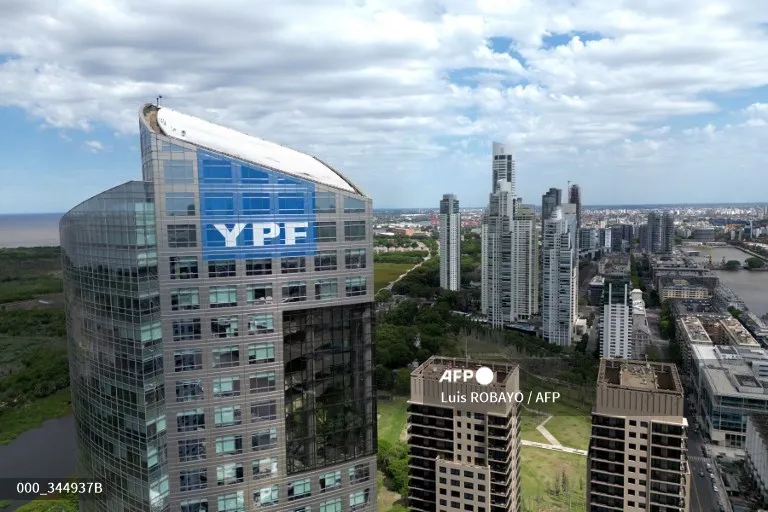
(714, 488)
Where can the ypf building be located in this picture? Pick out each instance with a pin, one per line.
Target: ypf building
(219, 321)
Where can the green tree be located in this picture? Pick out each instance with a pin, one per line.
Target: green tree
(403, 381)
(754, 263)
(732, 265)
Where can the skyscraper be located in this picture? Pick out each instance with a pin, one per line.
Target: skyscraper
(659, 237)
(559, 276)
(509, 268)
(616, 319)
(574, 197)
(637, 452)
(219, 316)
(464, 455)
(450, 243)
(549, 201)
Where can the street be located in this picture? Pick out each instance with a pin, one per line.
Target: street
(703, 496)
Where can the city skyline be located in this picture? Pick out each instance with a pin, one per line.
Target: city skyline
(586, 93)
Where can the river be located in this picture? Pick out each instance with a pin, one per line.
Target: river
(752, 287)
(45, 452)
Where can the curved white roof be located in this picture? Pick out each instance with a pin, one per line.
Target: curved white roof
(245, 147)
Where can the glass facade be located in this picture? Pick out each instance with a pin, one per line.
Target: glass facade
(218, 280)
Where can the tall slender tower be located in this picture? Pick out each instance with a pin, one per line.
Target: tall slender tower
(219, 316)
(549, 201)
(574, 197)
(509, 250)
(450, 243)
(616, 319)
(559, 276)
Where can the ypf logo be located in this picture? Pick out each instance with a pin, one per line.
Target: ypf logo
(482, 375)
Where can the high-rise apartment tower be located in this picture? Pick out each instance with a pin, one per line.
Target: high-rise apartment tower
(637, 453)
(559, 276)
(574, 197)
(549, 201)
(658, 236)
(450, 243)
(464, 454)
(509, 267)
(219, 315)
(616, 319)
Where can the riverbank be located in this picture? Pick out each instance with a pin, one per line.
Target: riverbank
(15, 421)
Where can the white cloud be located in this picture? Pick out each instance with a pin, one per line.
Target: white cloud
(366, 85)
(95, 146)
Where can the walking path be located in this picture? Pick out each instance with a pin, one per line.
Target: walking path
(426, 258)
(543, 431)
(563, 449)
(552, 442)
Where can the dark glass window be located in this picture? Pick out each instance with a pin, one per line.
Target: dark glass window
(182, 235)
(262, 382)
(192, 479)
(223, 296)
(188, 360)
(258, 267)
(263, 411)
(326, 288)
(227, 416)
(178, 171)
(258, 293)
(229, 445)
(189, 390)
(191, 449)
(299, 489)
(360, 473)
(325, 231)
(219, 204)
(186, 329)
(354, 205)
(224, 327)
(261, 323)
(191, 420)
(226, 357)
(354, 230)
(183, 299)
(197, 505)
(294, 291)
(325, 202)
(180, 203)
(222, 268)
(183, 267)
(229, 474)
(289, 203)
(293, 265)
(261, 353)
(355, 285)
(354, 258)
(264, 439)
(215, 171)
(256, 204)
(325, 261)
(226, 386)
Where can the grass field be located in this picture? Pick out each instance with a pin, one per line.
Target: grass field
(571, 423)
(392, 419)
(539, 469)
(15, 422)
(385, 273)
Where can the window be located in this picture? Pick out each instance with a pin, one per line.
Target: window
(183, 267)
(354, 258)
(261, 323)
(218, 203)
(262, 382)
(330, 481)
(221, 268)
(291, 202)
(258, 293)
(264, 439)
(325, 231)
(325, 260)
(354, 205)
(223, 296)
(358, 500)
(256, 204)
(215, 170)
(253, 175)
(191, 420)
(189, 390)
(224, 327)
(263, 411)
(179, 203)
(355, 285)
(325, 202)
(228, 474)
(266, 496)
(326, 289)
(226, 386)
(233, 502)
(264, 468)
(299, 489)
(331, 506)
(354, 230)
(258, 267)
(186, 329)
(178, 171)
(182, 235)
(261, 353)
(359, 473)
(192, 479)
(226, 357)
(227, 416)
(188, 360)
(295, 291)
(191, 449)
(183, 299)
(229, 445)
(293, 265)
(198, 505)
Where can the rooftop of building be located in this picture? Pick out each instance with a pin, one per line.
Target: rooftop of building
(640, 375)
(730, 370)
(695, 307)
(677, 282)
(694, 330)
(597, 281)
(227, 141)
(738, 333)
(760, 424)
(433, 368)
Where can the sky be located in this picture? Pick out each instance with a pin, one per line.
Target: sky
(637, 101)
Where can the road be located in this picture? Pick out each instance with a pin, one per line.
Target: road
(703, 497)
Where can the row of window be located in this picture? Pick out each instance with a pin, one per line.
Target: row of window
(193, 420)
(268, 496)
(258, 203)
(223, 357)
(185, 235)
(191, 390)
(190, 329)
(186, 299)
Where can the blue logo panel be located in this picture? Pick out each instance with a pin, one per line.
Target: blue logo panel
(250, 212)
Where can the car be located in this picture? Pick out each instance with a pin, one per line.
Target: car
(709, 466)
(701, 473)
(712, 476)
(714, 488)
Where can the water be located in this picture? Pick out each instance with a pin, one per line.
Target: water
(752, 287)
(45, 452)
(29, 230)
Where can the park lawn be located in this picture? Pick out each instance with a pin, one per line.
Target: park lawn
(539, 468)
(393, 415)
(528, 424)
(385, 273)
(385, 499)
(571, 430)
(14, 422)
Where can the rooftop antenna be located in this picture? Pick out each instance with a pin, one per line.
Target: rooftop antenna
(157, 101)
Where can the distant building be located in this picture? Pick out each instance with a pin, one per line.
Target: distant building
(756, 448)
(729, 331)
(450, 243)
(595, 290)
(574, 197)
(549, 201)
(641, 332)
(659, 235)
(464, 455)
(704, 235)
(559, 276)
(616, 319)
(587, 239)
(637, 452)
(724, 298)
(681, 289)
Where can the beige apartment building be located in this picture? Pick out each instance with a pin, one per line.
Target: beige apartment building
(464, 448)
(637, 453)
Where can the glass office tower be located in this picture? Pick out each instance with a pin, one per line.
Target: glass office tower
(219, 318)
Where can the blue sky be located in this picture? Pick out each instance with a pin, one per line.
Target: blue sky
(659, 105)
